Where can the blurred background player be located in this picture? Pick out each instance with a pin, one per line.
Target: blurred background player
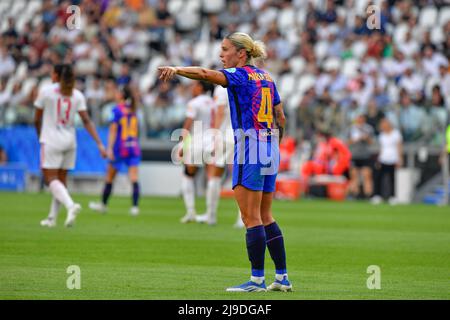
(123, 148)
(56, 107)
(223, 155)
(389, 160)
(361, 138)
(195, 143)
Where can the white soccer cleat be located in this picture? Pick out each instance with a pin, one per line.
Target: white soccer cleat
(188, 217)
(48, 223)
(203, 218)
(97, 206)
(280, 285)
(72, 215)
(376, 200)
(134, 211)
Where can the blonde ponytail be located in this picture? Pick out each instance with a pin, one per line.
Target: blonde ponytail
(255, 49)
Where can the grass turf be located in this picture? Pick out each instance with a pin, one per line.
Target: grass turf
(329, 247)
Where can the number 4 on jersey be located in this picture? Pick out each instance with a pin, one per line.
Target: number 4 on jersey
(265, 110)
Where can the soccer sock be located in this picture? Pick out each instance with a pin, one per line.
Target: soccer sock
(60, 192)
(54, 209)
(275, 244)
(212, 196)
(187, 187)
(256, 247)
(135, 194)
(106, 193)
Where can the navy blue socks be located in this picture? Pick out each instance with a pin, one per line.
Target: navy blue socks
(256, 247)
(135, 194)
(275, 244)
(106, 193)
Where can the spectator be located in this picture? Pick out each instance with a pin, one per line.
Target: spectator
(411, 118)
(389, 159)
(360, 138)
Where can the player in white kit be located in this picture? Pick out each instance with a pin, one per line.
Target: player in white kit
(199, 118)
(223, 156)
(56, 107)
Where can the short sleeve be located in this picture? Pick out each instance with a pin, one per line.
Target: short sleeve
(39, 103)
(115, 115)
(191, 111)
(235, 76)
(220, 96)
(81, 103)
(276, 96)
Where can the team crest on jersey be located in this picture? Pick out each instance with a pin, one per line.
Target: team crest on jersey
(231, 70)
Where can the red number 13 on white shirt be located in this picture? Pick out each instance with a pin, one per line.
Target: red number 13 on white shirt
(64, 106)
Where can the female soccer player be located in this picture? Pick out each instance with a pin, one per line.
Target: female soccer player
(56, 106)
(223, 155)
(255, 110)
(123, 148)
(199, 114)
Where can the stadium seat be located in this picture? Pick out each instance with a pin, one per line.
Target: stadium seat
(213, 6)
(444, 16)
(287, 84)
(174, 6)
(192, 5)
(21, 71)
(286, 19)
(400, 33)
(297, 65)
(201, 51)
(18, 6)
(187, 20)
(305, 82)
(294, 101)
(321, 49)
(437, 35)
(428, 17)
(359, 49)
(350, 67)
(300, 17)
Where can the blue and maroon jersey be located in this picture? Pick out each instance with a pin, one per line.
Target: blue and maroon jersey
(252, 94)
(127, 139)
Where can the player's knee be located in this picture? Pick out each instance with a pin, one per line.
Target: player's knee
(190, 172)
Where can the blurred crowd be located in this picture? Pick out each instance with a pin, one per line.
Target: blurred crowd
(332, 60)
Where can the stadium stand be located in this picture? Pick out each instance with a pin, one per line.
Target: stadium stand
(330, 62)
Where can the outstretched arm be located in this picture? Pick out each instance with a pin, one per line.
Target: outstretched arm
(92, 131)
(280, 119)
(195, 73)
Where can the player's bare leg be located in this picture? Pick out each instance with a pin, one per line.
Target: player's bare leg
(55, 204)
(212, 195)
(133, 176)
(275, 244)
(111, 173)
(188, 190)
(60, 192)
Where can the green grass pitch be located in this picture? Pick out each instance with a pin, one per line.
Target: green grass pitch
(329, 247)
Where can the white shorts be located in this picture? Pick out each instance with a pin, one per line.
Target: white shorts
(197, 152)
(224, 153)
(54, 158)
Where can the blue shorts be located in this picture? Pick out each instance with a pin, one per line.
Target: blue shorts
(128, 161)
(256, 171)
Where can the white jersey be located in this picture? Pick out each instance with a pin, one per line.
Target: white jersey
(58, 128)
(201, 108)
(221, 98)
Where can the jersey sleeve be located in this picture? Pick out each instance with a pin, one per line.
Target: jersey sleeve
(81, 105)
(191, 111)
(276, 96)
(220, 96)
(235, 76)
(115, 115)
(39, 103)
